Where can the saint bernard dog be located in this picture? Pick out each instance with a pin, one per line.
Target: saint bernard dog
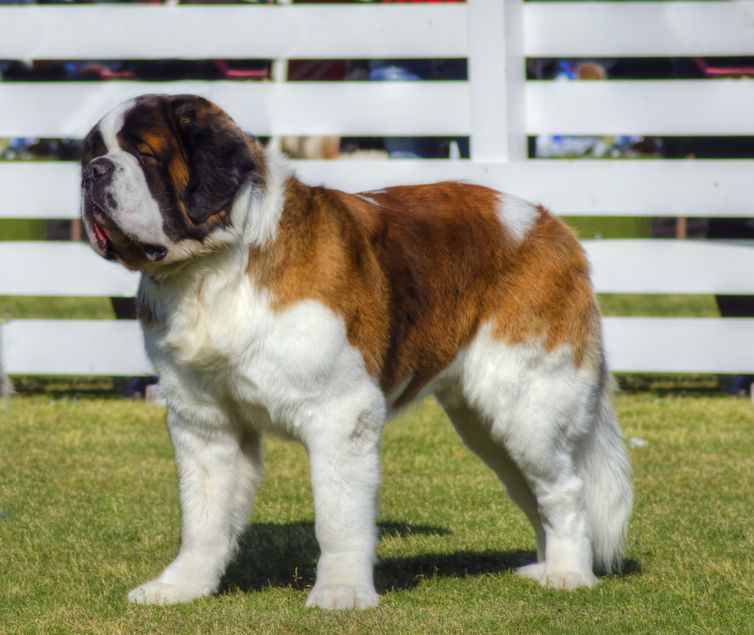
(269, 305)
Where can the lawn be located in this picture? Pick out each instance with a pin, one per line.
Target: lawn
(88, 509)
(612, 304)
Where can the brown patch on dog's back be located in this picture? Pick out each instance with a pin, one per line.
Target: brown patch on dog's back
(322, 253)
(431, 241)
(414, 271)
(547, 292)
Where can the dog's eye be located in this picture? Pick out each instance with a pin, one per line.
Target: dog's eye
(145, 152)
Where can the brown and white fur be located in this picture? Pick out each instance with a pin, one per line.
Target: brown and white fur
(271, 306)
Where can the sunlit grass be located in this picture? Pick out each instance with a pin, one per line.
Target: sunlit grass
(54, 308)
(88, 510)
(612, 304)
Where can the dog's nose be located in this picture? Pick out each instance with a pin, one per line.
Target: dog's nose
(99, 168)
(155, 252)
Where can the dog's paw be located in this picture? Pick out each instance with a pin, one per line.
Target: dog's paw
(342, 596)
(568, 580)
(533, 571)
(156, 592)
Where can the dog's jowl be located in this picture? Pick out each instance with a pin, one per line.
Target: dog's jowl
(271, 306)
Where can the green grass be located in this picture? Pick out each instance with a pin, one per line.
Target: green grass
(587, 227)
(613, 304)
(658, 305)
(88, 509)
(55, 308)
(22, 229)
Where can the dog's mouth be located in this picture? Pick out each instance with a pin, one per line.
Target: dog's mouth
(112, 243)
(102, 239)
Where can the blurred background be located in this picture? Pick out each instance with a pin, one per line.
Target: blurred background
(632, 121)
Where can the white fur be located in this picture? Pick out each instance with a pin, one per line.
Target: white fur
(261, 224)
(369, 199)
(218, 470)
(232, 368)
(111, 124)
(553, 425)
(517, 216)
(136, 212)
(228, 362)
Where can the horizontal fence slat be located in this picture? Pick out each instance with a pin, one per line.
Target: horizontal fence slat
(101, 347)
(568, 187)
(61, 269)
(550, 30)
(671, 266)
(680, 345)
(672, 107)
(40, 189)
(74, 347)
(623, 29)
(263, 108)
(619, 266)
(656, 107)
(253, 32)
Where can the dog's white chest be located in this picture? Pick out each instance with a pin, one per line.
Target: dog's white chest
(226, 354)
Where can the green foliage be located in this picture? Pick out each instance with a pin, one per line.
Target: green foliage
(88, 510)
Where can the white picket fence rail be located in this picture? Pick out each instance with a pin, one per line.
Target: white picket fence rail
(496, 108)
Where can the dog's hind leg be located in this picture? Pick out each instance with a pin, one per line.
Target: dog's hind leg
(217, 474)
(475, 433)
(542, 407)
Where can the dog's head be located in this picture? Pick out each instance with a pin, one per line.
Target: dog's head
(160, 174)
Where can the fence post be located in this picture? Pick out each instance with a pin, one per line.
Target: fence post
(497, 78)
(278, 75)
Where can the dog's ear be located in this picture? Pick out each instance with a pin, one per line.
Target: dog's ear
(216, 154)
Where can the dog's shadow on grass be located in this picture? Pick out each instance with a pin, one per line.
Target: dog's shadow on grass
(285, 555)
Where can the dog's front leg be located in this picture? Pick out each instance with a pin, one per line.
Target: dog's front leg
(345, 466)
(218, 470)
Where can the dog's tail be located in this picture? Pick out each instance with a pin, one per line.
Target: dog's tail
(603, 466)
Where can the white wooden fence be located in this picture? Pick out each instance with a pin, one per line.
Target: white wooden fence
(496, 108)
